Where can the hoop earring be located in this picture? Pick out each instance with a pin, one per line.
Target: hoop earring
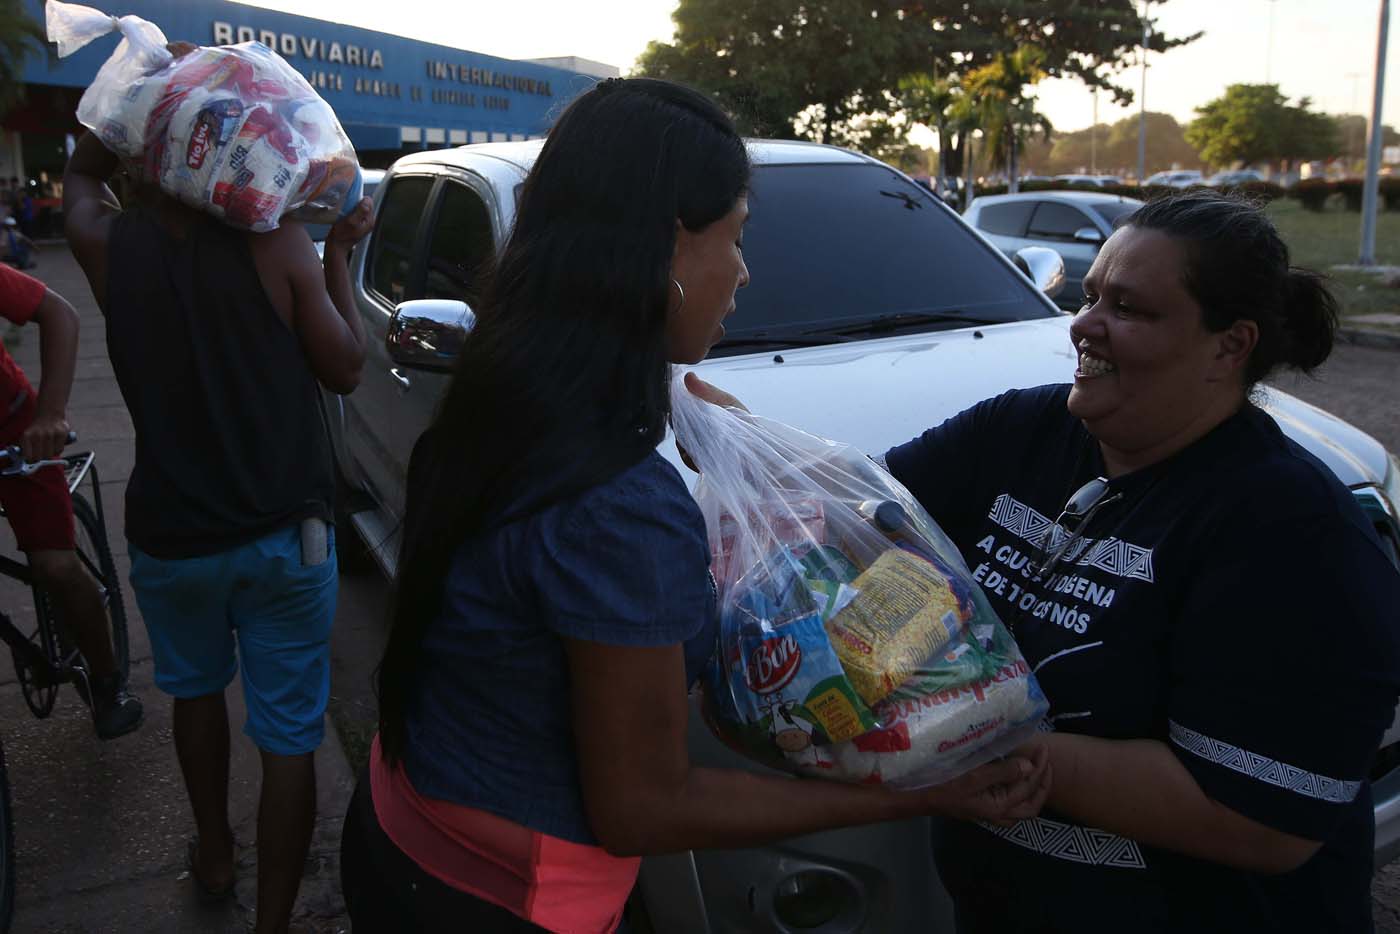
(677, 284)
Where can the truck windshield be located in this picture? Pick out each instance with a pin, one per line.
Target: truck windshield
(833, 247)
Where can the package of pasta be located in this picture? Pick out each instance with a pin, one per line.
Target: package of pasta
(234, 131)
(854, 644)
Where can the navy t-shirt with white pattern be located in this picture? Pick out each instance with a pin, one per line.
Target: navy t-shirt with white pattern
(1233, 602)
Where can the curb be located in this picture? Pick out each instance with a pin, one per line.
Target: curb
(1363, 337)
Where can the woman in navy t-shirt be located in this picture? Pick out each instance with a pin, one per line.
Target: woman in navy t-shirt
(554, 601)
(1211, 615)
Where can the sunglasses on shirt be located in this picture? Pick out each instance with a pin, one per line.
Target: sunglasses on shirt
(1081, 508)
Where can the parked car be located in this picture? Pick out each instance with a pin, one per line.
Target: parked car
(1073, 223)
(873, 313)
(1176, 179)
(1239, 177)
(1098, 181)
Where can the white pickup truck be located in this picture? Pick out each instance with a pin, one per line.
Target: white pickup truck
(874, 312)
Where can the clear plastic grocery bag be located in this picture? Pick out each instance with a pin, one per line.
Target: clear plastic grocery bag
(233, 130)
(854, 644)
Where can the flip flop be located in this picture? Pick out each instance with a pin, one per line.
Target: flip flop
(207, 894)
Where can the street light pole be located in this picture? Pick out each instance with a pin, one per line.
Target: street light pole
(1142, 98)
(1094, 137)
(1373, 153)
(1352, 154)
(1269, 53)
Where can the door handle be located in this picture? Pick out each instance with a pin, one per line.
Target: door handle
(404, 383)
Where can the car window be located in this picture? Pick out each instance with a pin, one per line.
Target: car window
(391, 251)
(1008, 218)
(828, 244)
(461, 244)
(1055, 221)
(1110, 211)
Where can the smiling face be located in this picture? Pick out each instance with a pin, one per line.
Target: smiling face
(709, 265)
(1151, 378)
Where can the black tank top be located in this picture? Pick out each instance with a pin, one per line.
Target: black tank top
(230, 440)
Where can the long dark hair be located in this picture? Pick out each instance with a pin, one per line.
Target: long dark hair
(564, 380)
(1238, 268)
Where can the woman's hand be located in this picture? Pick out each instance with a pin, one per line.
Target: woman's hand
(1001, 792)
(711, 394)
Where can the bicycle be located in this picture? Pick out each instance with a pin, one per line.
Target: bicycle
(44, 660)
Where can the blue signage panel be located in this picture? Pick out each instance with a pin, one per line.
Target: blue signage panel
(384, 88)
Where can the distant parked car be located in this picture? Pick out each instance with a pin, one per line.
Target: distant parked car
(1239, 177)
(1080, 180)
(1184, 178)
(1073, 223)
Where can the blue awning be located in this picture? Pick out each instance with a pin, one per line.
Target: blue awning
(366, 136)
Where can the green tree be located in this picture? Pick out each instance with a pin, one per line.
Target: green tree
(1253, 123)
(812, 67)
(20, 36)
(940, 105)
(773, 62)
(1114, 150)
(1003, 111)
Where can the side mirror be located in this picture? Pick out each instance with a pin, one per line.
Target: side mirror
(1088, 235)
(1043, 266)
(427, 334)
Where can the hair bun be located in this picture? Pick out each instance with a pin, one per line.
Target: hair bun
(1310, 319)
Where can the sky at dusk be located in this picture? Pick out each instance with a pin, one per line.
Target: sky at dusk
(1325, 51)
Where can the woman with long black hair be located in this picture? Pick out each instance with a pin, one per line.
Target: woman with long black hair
(554, 601)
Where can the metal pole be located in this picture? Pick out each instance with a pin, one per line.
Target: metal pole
(1373, 153)
(1094, 138)
(1142, 99)
(1269, 54)
(1352, 155)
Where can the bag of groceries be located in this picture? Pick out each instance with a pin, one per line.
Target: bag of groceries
(854, 644)
(233, 130)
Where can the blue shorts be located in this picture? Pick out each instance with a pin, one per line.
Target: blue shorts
(280, 613)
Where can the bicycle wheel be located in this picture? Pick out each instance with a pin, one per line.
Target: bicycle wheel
(39, 691)
(96, 556)
(7, 851)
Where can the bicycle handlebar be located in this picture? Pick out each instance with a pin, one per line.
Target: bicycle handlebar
(19, 467)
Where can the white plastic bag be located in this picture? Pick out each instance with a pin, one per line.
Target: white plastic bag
(854, 644)
(232, 130)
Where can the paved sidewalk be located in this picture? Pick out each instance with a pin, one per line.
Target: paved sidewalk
(100, 828)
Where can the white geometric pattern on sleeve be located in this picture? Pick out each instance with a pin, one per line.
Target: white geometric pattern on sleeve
(1058, 840)
(1271, 771)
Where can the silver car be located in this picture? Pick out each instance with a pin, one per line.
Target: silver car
(1072, 223)
(871, 290)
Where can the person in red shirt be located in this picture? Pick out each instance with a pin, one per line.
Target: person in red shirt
(38, 506)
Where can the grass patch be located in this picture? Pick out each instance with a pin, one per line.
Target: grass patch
(1321, 240)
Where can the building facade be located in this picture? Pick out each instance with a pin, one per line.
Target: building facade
(392, 94)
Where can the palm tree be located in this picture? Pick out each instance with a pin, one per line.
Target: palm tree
(1006, 115)
(19, 34)
(941, 105)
